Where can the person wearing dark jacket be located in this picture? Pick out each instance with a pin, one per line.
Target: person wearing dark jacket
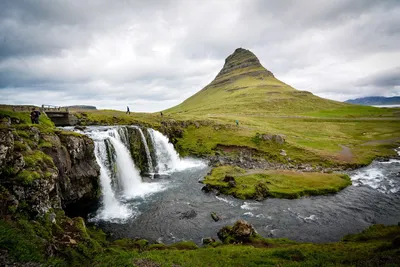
(35, 116)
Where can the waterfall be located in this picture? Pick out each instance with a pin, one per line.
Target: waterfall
(119, 178)
(112, 208)
(146, 147)
(167, 158)
(128, 176)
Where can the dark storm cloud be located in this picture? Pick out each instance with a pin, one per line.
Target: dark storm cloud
(154, 54)
(385, 79)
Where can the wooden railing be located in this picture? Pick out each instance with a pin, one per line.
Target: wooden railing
(51, 108)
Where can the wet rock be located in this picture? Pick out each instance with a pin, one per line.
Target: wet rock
(187, 215)
(214, 216)
(208, 240)
(207, 188)
(80, 128)
(241, 232)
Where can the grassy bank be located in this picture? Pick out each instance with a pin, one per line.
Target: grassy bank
(28, 241)
(259, 184)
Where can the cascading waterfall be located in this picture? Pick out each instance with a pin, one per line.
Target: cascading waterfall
(128, 176)
(167, 158)
(112, 207)
(148, 155)
(119, 178)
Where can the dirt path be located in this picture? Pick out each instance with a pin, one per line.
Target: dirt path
(346, 154)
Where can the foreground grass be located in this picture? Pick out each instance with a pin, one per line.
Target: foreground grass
(376, 246)
(274, 183)
(27, 241)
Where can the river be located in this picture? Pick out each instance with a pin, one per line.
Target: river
(173, 208)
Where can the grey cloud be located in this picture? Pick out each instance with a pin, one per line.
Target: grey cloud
(156, 53)
(389, 78)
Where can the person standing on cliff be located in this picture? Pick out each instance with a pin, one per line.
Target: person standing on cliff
(35, 116)
(127, 110)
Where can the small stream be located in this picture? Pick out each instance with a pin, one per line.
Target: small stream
(173, 208)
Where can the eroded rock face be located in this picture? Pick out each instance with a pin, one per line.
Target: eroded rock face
(70, 176)
(6, 146)
(78, 169)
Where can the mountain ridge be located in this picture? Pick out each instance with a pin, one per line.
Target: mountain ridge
(375, 100)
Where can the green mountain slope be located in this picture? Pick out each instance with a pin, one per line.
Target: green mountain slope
(244, 86)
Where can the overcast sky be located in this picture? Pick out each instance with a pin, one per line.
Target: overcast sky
(153, 54)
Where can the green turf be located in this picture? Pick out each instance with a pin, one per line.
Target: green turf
(275, 183)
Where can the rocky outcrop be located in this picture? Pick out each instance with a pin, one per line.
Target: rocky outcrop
(44, 171)
(241, 232)
(78, 172)
(138, 149)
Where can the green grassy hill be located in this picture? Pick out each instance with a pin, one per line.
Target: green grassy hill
(244, 86)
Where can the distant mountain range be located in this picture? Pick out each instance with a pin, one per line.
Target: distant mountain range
(375, 100)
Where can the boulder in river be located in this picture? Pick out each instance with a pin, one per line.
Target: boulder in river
(215, 216)
(240, 232)
(190, 214)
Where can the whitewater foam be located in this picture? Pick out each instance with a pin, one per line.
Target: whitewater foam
(230, 202)
(249, 206)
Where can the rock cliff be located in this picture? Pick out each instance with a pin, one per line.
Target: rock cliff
(46, 169)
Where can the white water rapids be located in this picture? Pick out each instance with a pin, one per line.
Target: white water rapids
(120, 179)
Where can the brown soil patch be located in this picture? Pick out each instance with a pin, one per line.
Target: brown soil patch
(345, 155)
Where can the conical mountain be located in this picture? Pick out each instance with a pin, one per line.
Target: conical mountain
(244, 86)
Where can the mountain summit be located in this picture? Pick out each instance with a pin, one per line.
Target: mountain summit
(244, 86)
(241, 62)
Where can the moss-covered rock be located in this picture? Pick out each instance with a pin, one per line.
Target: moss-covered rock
(138, 150)
(45, 168)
